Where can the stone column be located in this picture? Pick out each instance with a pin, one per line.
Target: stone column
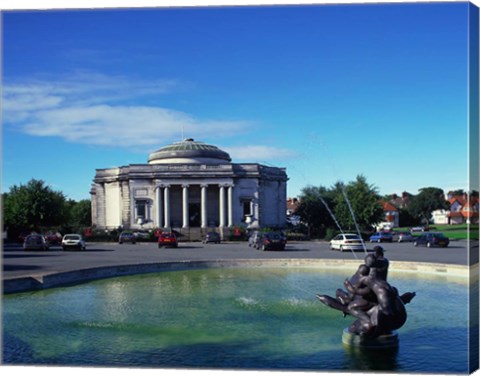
(222, 206)
(230, 205)
(186, 218)
(166, 205)
(203, 205)
(159, 207)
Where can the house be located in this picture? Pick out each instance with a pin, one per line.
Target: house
(400, 202)
(463, 209)
(391, 216)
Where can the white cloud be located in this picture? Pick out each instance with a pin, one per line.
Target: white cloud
(95, 109)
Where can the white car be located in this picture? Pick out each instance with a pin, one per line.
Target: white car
(73, 241)
(347, 242)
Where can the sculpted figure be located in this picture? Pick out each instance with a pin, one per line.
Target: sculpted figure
(371, 299)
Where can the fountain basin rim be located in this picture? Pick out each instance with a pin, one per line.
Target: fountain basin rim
(464, 273)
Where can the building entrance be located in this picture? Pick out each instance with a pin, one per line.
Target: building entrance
(194, 213)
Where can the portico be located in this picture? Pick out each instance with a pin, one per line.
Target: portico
(195, 207)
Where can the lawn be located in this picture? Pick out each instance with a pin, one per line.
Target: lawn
(451, 231)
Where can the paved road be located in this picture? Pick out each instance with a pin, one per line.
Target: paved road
(18, 263)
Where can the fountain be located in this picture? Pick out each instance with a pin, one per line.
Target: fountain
(242, 317)
(378, 307)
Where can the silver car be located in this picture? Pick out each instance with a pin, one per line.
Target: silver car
(35, 241)
(73, 241)
(403, 236)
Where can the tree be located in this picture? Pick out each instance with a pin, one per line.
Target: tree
(357, 202)
(313, 209)
(429, 199)
(81, 213)
(34, 205)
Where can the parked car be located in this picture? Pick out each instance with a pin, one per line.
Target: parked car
(23, 235)
(73, 241)
(142, 235)
(402, 236)
(167, 239)
(347, 242)
(431, 239)
(126, 237)
(271, 241)
(35, 241)
(212, 237)
(381, 236)
(53, 237)
(417, 229)
(253, 239)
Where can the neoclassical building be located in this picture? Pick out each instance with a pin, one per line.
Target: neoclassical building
(191, 187)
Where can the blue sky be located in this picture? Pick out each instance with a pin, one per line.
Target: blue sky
(327, 91)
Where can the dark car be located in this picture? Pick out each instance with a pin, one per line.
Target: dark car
(432, 239)
(271, 241)
(212, 237)
(35, 241)
(381, 236)
(167, 239)
(126, 237)
(53, 237)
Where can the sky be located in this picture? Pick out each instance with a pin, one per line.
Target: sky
(327, 91)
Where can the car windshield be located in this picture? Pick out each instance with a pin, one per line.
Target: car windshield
(72, 237)
(167, 235)
(32, 238)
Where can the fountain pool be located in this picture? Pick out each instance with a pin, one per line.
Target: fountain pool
(232, 318)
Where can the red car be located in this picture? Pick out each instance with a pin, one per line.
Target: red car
(167, 239)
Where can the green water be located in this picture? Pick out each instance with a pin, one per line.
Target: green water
(259, 318)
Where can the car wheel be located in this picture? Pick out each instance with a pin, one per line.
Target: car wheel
(120, 242)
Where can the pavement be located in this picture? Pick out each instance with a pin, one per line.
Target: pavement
(30, 270)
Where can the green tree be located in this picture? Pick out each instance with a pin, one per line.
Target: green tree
(81, 213)
(313, 210)
(357, 202)
(429, 199)
(33, 205)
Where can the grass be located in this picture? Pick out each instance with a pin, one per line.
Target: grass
(461, 231)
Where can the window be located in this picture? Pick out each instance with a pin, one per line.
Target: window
(142, 211)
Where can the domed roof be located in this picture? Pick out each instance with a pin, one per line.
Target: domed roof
(189, 151)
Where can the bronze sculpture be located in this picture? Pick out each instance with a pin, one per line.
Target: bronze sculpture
(376, 304)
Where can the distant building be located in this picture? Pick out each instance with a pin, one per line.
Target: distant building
(391, 216)
(463, 208)
(191, 187)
